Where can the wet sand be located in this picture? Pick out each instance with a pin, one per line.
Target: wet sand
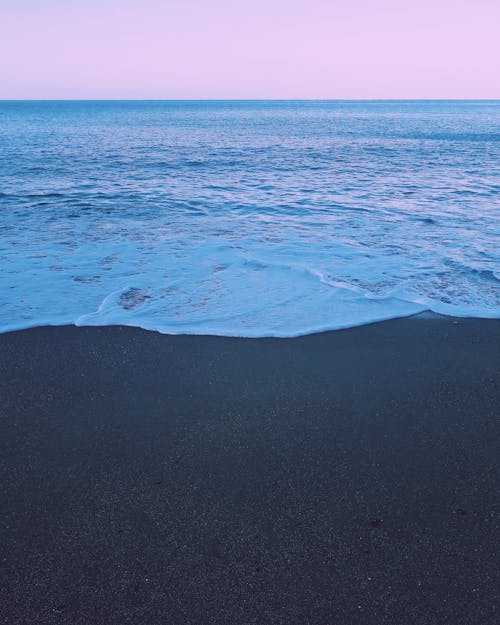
(345, 478)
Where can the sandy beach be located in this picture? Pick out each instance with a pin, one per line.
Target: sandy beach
(345, 478)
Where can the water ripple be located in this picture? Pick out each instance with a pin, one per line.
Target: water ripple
(247, 218)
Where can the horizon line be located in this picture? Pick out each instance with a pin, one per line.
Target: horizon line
(250, 99)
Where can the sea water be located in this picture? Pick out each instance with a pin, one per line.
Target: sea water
(247, 218)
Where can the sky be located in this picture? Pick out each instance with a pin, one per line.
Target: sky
(222, 49)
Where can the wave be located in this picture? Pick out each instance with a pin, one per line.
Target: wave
(251, 298)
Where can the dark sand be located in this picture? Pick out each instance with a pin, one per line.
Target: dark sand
(346, 478)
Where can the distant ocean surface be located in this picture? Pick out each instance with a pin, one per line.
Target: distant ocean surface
(247, 218)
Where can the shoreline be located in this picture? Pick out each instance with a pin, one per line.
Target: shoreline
(421, 315)
(347, 476)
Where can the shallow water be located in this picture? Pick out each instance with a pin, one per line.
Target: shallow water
(247, 218)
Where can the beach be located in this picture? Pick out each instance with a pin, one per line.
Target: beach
(342, 478)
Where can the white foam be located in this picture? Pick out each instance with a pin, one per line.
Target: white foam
(235, 290)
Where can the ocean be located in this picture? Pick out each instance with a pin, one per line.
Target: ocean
(247, 218)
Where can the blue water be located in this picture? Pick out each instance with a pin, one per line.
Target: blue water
(247, 218)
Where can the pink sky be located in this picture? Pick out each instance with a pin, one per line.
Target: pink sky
(249, 49)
